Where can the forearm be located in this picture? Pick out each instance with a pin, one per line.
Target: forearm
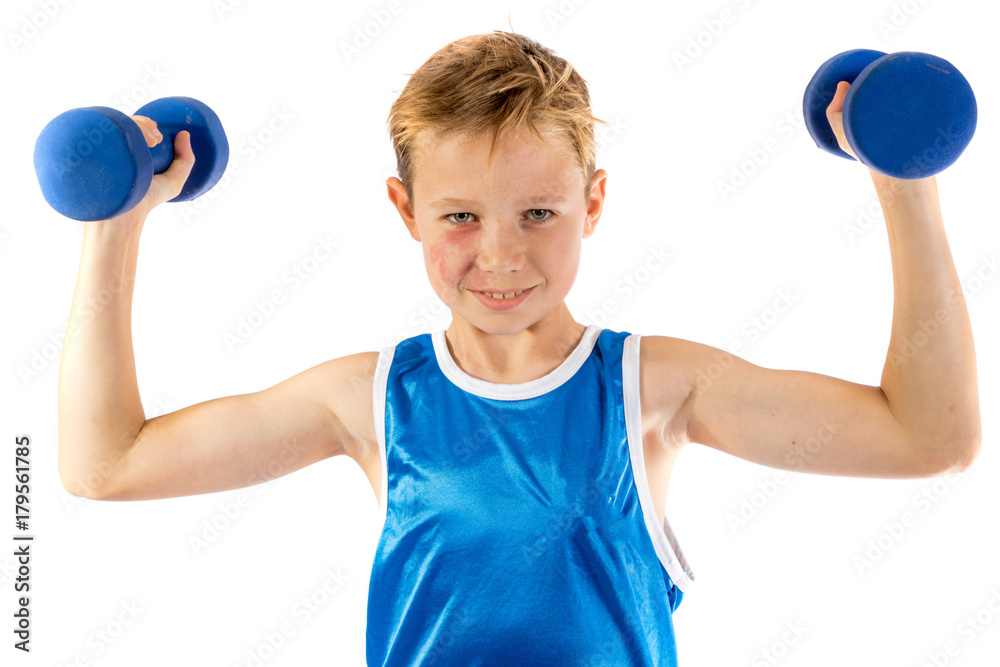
(929, 377)
(100, 411)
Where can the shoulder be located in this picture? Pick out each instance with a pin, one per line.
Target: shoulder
(344, 386)
(670, 370)
(694, 361)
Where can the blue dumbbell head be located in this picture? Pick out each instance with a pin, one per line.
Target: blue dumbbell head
(822, 88)
(208, 141)
(910, 115)
(907, 114)
(93, 163)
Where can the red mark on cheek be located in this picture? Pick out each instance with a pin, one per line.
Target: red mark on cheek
(451, 257)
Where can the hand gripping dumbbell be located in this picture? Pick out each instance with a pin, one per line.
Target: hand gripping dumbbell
(907, 114)
(93, 163)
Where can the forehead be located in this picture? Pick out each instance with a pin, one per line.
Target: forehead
(458, 165)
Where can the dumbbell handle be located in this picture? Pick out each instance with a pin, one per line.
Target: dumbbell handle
(174, 115)
(163, 153)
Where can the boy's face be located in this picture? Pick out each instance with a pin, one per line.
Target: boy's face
(520, 229)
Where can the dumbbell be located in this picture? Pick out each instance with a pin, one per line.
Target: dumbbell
(93, 163)
(906, 114)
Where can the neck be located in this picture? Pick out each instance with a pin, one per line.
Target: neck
(518, 356)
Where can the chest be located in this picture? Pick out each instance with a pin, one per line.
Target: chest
(658, 457)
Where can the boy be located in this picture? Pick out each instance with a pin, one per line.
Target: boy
(520, 459)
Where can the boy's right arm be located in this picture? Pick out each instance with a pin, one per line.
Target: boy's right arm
(109, 450)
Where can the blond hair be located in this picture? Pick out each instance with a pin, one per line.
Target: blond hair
(499, 82)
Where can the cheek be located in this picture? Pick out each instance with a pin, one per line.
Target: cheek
(450, 257)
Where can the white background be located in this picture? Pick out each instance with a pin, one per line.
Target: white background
(680, 131)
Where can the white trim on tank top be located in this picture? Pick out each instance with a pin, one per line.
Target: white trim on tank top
(665, 543)
(521, 390)
(379, 383)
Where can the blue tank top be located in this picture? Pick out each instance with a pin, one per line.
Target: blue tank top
(518, 524)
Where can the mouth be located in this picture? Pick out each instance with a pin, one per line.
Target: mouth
(510, 294)
(501, 301)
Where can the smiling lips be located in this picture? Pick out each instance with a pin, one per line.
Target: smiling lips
(501, 295)
(503, 301)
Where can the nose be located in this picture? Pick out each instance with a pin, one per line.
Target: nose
(500, 247)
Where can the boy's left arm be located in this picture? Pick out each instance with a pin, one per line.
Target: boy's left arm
(922, 420)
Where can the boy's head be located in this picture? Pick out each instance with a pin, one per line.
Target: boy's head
(496, 84)
(495, 144)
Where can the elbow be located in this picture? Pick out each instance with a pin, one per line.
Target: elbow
(954, 455)
(85, 481)
(968, 456)
(78, 487)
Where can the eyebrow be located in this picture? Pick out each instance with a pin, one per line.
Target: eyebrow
(453, 202)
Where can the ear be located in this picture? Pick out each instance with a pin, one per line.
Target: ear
(399, 199)
(596, 202)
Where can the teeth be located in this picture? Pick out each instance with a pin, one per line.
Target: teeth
(501, 296)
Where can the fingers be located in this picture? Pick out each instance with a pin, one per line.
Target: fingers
(177, 173)
(835, 116)
(169, 184)
(183, 153)
(837, 103)
(149, 130)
